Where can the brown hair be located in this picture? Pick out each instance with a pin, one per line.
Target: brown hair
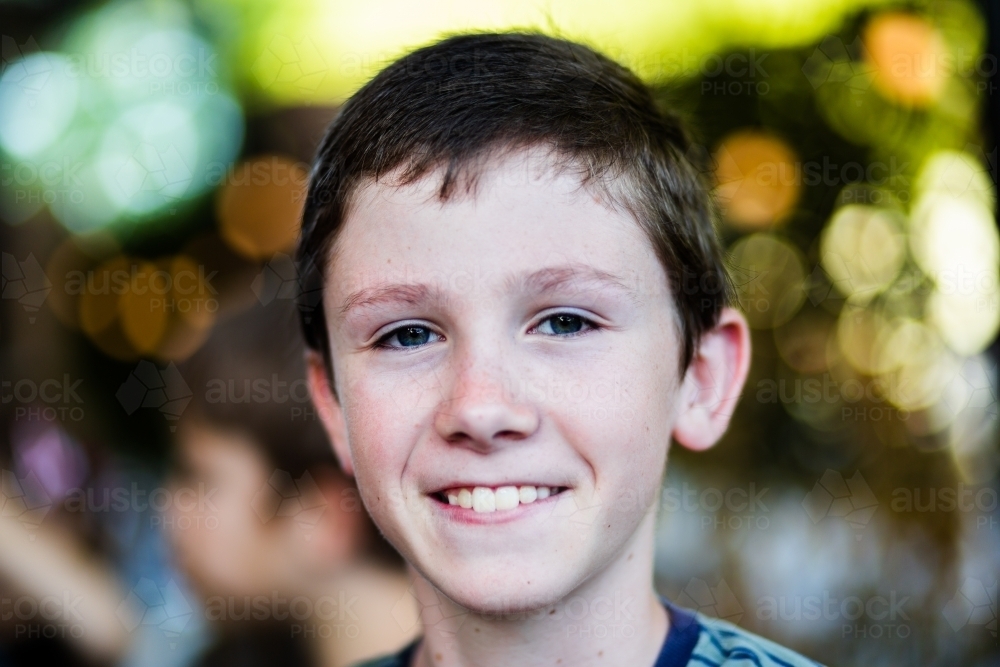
(448, 106)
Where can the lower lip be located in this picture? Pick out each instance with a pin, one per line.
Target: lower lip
(469, 516)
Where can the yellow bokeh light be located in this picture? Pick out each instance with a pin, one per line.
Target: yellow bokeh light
(862, 250)
(908, 55)
(916, 365)
(758, 180)
(99, 309)
(954, 240)
(68, 269)
(968, 323)
(141, 309)
(768, 275)
(260, 204)
(858, 329)
(324, 50)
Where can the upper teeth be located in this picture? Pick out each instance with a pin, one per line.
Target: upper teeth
(485, 499)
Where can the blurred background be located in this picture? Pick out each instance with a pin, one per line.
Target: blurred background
(154, 160)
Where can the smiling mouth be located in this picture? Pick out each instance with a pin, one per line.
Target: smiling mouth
(485, 499)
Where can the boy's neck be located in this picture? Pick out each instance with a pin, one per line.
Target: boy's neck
(630, 631)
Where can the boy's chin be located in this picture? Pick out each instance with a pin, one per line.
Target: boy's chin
(504, 591)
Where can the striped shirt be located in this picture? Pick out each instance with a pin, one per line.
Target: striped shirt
(694, 640)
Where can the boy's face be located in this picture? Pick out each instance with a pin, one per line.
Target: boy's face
(527, 339)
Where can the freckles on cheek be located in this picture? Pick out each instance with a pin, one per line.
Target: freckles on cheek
(380, 433)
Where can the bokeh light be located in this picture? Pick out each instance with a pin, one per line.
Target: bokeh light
(908, 55)
(260, 204)
(130, 119)
(862, 250)
(155, 157)
(769, 276)
(758, 180)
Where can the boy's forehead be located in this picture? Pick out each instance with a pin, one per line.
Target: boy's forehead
(525, 213)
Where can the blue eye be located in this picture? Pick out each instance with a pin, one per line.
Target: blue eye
(411, 335)
(563, 324)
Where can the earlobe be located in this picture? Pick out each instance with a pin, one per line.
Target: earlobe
(713, 382)
(328, 408)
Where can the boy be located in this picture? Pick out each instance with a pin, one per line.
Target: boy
(514, 299)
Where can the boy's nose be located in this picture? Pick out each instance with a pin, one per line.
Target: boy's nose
(482, 415)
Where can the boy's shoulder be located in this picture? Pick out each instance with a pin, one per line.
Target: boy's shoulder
(722, 643)
(694, 639)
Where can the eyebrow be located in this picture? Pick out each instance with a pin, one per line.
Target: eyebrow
(412, 293)
(537, 282)
(552, 278)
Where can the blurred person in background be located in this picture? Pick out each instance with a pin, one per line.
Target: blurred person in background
(59, 599)
(274, 537)
(59, 593)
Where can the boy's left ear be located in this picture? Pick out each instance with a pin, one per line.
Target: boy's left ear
(712, 384)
